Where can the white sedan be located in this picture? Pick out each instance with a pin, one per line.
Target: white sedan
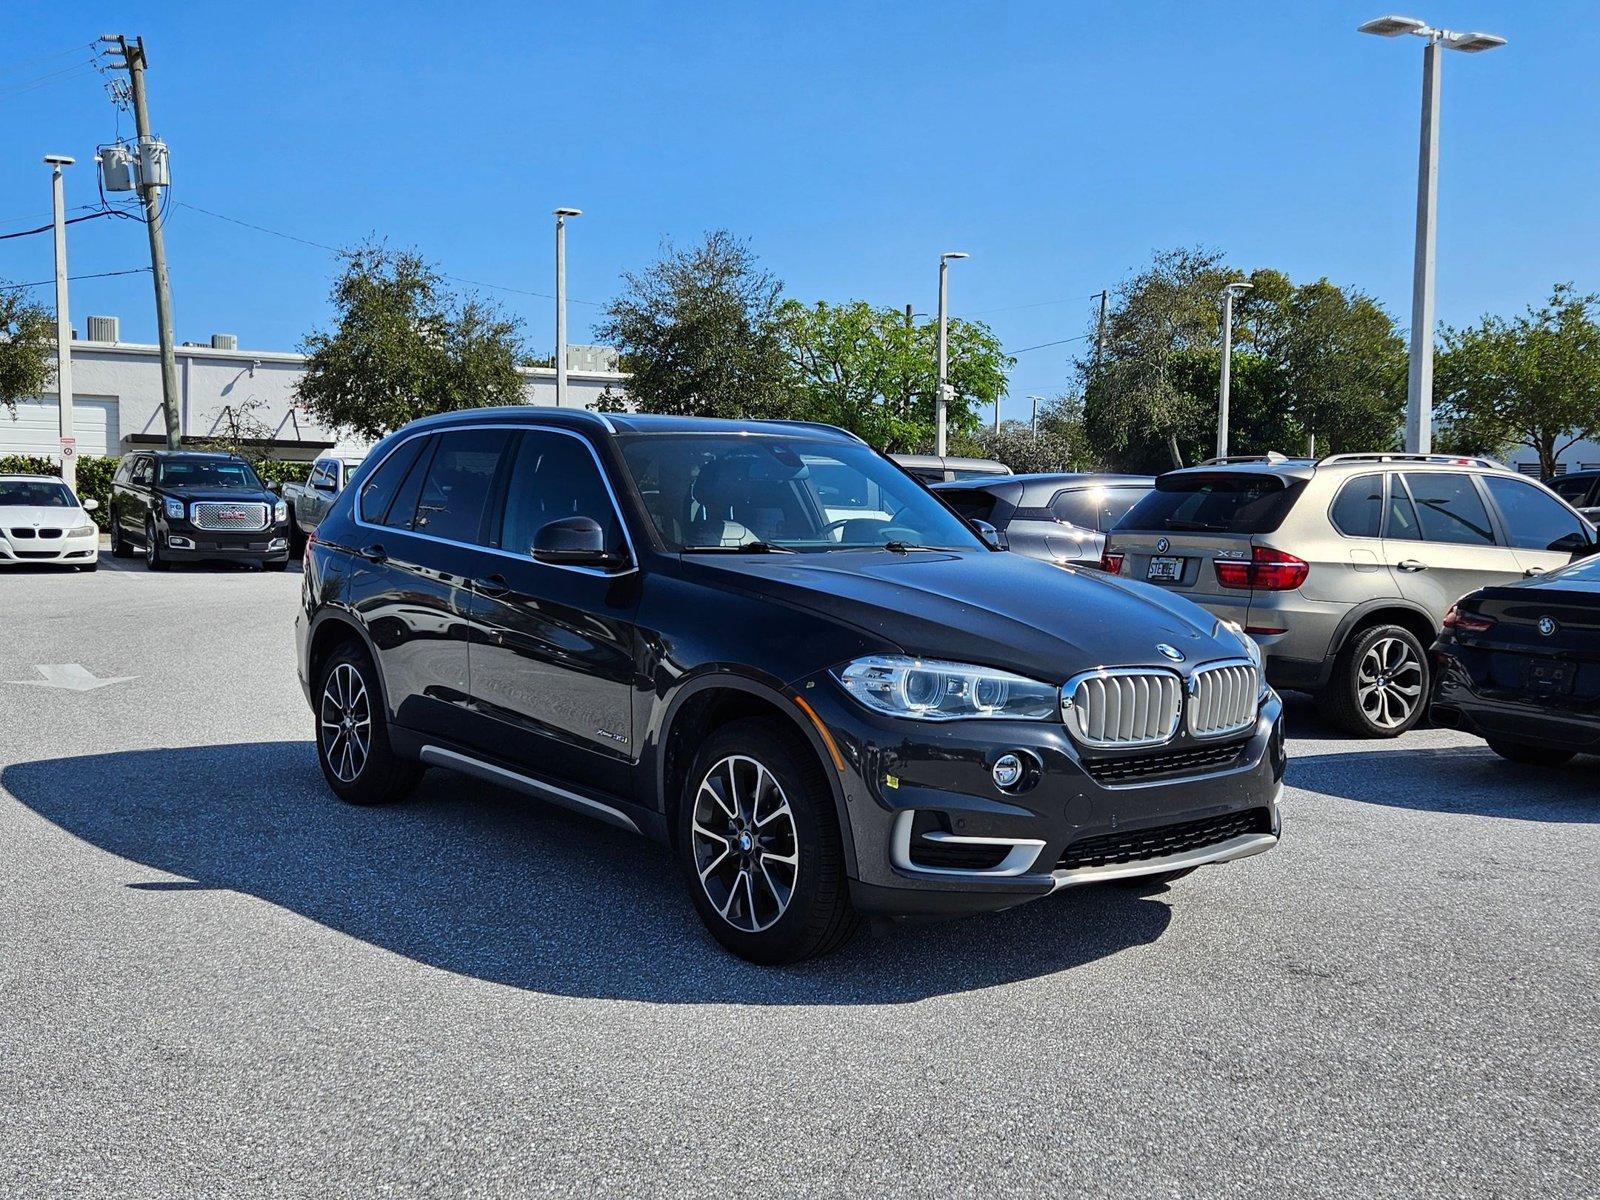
(42, 521)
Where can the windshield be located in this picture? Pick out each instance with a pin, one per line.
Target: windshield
(35, 493)
(211, 473)
(727, 491)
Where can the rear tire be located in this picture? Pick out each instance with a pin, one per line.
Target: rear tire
(1380, 683)
(119, 546)
(352, 733)
(1531, 756)
(759, 836)
(297, 537)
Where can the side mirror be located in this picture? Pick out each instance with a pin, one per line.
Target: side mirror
(90, 504)
(273, 488)
(990, 534)
(573, 542)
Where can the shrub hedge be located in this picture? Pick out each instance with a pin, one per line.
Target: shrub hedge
(95, 472)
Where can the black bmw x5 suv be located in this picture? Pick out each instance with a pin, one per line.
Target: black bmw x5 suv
(772, 649)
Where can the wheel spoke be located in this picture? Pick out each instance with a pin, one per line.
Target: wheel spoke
(745, 843)
(713, 864)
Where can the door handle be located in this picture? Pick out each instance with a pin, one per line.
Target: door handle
(493, 585)
(1411, 564)
(1532, 571)
(374, 553)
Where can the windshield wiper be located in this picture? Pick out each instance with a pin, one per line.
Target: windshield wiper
(908, 547)
(742, 548)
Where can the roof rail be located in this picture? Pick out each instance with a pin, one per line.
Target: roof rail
(1271, 456)
(1454, 460)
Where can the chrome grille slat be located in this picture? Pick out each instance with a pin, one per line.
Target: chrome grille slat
(1222, 698)
(1121, 707)
(218, 515)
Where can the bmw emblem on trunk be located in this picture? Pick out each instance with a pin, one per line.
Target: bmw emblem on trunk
(1171, 652)
(1163, 545)
(1548, 626)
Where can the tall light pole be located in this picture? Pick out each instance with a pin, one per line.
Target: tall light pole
(941, 405)
(1036, 400)
(1237, 288)
(561, 215)
(1419, 383)
(58, 191)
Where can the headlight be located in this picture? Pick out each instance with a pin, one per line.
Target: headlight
(82, 531)
(174, 509)
(944, 691)
(280, 511)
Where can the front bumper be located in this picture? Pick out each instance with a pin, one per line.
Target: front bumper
(65, 550)
(1075, 824)
(183, 542)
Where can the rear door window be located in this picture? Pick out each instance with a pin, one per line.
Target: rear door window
(1449, 508)
(1534, 520)
(1098, 508)
(455, 492)
(1358, 509)
(1221, 502)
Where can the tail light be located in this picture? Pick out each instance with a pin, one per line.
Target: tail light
(1463, 622)
(1268, 570)
(1111, 562)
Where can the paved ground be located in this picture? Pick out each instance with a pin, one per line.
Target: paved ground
(214, 979)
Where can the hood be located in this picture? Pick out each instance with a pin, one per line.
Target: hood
(49, 517)
(186, 491)
(1003, 610)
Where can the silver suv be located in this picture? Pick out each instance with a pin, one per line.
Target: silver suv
(1344, 569)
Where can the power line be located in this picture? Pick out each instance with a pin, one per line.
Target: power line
(498, 287)
(102, 212)
(24, 63)
(96, 275)
(1082, 337)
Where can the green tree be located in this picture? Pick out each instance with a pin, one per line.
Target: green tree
(873, 372)
(1316, 368)
(1058, 444)
(404, 346)
(27, 346)
(1533, 381)
(698, 333)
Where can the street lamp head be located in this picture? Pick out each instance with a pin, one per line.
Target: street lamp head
(1392, 26)
(568, 212)
(1237, 288)
(59, 160)
(949, 254)
(1473, 43)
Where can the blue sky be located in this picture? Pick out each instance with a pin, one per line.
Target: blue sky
(850, 143)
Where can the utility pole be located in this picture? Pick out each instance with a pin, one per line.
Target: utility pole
(561, 215)
(152, 178)
(58, 192)
(1228, 293)
(1035, 400)
(941, 408)
(1100, 333)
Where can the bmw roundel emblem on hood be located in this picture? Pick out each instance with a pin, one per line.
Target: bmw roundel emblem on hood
(1171, 652)
(1548, 626)
(1163, 545)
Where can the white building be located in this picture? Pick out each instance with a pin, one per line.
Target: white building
(116, 395)
(1580, 456)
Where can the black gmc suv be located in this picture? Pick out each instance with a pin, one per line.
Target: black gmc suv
(186, 505)
(768, 646)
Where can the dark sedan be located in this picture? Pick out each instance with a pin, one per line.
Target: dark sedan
(1060, 518)
(1519, 665)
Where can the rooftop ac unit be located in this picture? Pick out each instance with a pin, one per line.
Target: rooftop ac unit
(224, 341)
(104, 329)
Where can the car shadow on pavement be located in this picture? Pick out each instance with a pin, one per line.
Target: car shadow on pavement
(472, 879)
(1456, 779)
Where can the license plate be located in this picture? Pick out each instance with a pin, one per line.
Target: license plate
(1165, 570)
(1549, 678)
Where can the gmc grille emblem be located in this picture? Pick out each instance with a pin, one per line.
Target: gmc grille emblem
(231, 514)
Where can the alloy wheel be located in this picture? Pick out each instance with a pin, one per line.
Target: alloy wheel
(1389, 682)
(746, 846)
(345, 715)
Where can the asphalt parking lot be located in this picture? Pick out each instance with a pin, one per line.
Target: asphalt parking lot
(216, 979)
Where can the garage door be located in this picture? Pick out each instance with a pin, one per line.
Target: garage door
(37, 428)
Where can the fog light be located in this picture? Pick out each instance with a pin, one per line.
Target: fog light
(1008, 772)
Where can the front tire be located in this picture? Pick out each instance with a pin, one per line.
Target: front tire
(1531, 756)
(1380, 683)
(759, 836)
(352, 733)
(153, 558)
